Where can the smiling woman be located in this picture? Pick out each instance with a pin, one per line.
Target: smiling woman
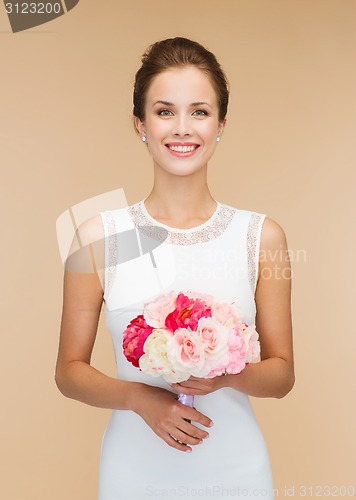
(181, 120)
(209, 248)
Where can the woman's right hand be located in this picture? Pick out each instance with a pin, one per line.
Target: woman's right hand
(168, 418)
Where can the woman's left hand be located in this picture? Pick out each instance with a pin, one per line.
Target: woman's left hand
(195, 386)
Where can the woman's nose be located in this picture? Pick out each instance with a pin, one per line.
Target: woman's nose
(182, 126)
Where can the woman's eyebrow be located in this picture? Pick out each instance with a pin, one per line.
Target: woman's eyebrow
(201, 103)
(166, 103)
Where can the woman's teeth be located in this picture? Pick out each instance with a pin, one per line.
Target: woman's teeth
(182, 149)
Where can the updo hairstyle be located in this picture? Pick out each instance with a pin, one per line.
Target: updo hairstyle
(177, 53)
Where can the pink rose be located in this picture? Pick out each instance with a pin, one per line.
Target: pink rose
(214, 338)
(224, 312)
(156, 311)
(134, 338)
(237, 363)
(237, 351)
(252, 343)
(187, 313)
(185, 351)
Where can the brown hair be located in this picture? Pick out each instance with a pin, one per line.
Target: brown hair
(178, 52)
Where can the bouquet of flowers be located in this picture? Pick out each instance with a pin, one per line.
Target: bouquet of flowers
(189, 334)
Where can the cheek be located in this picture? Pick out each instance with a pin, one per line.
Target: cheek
(208, 131)
(157, 128)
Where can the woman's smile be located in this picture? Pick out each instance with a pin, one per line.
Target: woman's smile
(182, 149)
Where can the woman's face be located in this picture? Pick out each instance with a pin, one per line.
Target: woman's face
(181, 120)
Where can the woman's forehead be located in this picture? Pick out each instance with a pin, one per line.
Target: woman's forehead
(182, 85)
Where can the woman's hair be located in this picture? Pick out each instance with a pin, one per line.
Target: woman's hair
(178, 52)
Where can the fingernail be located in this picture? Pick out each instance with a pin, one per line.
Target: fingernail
(206, 436)
(211, 424)
(188, 450)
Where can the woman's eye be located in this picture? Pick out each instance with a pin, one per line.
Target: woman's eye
(201, 112)
(165, 112)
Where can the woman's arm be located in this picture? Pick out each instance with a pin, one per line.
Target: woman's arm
(77, 379)
(82, 302)
(273, 376)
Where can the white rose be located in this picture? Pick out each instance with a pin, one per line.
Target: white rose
(155, 361)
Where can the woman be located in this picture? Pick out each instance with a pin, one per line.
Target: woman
(150, 445)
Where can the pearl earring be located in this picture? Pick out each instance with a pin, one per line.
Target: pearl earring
(143, 138)
(218, 139)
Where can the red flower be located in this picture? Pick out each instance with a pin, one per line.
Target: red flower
(134, 338)
(187, 313)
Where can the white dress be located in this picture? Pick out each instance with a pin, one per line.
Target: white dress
(145, 258)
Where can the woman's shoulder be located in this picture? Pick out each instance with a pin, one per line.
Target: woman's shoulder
(91, 229)
(87, 244)
(273, 249)
(103, 224)
(272, 234)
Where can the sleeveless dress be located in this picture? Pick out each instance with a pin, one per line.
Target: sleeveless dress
(144, 258)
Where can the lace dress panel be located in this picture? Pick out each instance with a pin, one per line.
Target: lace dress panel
(252, 234)
(212, 230)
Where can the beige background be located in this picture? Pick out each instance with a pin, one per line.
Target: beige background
(288, 151)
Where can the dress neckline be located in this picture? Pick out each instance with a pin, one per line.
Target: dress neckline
(203, 233)
(173, 229)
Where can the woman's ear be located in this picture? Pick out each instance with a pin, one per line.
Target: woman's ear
(140, 127)
(222, 127)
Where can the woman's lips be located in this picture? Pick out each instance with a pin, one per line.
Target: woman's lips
(182, 149)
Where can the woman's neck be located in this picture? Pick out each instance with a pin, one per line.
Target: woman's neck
(181, 201)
